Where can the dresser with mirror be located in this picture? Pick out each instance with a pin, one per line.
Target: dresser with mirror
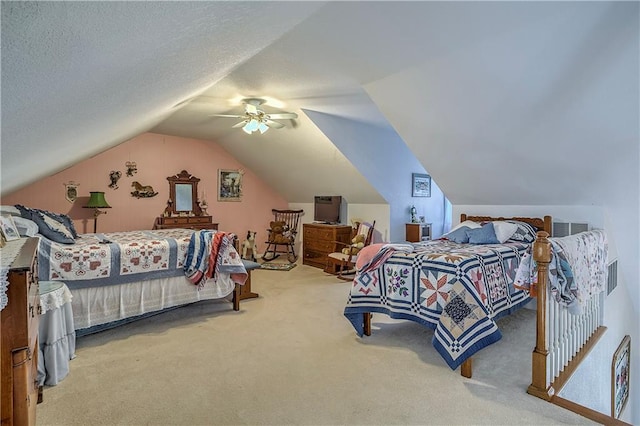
(183, 207)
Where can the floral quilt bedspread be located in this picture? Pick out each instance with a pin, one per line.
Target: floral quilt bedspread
(459, 290)
(114, 258)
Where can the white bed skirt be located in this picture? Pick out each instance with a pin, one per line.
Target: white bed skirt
(100, 305)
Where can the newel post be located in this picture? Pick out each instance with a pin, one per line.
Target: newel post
(542, 255)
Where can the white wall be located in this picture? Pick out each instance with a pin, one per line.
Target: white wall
(381, 213)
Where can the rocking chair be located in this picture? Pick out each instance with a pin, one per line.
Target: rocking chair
(283, 243)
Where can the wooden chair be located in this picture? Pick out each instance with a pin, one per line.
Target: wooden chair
(346, 262)
(277, 244)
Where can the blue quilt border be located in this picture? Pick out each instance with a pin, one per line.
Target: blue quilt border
(354, 315)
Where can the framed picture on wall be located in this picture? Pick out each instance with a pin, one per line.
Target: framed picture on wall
(229, 185)
(420, 185)
(620, 377)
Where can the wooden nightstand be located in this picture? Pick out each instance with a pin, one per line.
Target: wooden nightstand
(19, 337)
(416, 232)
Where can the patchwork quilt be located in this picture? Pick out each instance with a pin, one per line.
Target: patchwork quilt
(458, 290)
(114, 258)
(577, 271)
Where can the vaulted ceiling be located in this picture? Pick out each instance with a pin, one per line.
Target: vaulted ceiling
(496, 99)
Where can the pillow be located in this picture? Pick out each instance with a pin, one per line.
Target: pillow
(9, 210)
(524, 234)
(26, 227)
(504, 230)
(65, 220)
(50, 225)
(459, 235)
(468, 223)
(483, 235)
(52, 229)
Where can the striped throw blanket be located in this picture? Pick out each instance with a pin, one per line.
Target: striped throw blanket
(211, 253)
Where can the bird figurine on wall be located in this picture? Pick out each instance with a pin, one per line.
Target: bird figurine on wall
(114, 176)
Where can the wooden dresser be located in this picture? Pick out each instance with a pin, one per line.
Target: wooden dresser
(189, 222)
(19, 348)
(319, 239)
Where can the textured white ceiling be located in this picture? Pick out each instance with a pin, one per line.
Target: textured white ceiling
(517, 88)
(80, 77)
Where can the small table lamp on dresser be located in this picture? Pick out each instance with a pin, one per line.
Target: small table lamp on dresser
(96, 202)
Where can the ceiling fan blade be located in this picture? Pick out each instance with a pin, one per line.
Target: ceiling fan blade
(283, 115)
(274, 124)
(227, 115)
(240, 124)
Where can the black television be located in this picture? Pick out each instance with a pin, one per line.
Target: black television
(326, 208)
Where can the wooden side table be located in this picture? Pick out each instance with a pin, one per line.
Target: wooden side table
(416, 232)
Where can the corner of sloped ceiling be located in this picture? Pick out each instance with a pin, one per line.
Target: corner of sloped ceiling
(358, 183)
(487, 138)
(301, 163)
(81, 77)
(383, 158)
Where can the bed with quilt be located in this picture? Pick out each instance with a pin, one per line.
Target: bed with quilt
(115, 277)
(458, 285)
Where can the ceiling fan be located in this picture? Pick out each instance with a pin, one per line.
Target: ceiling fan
(255, 119)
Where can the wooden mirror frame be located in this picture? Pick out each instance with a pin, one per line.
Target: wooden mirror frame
(183, 177)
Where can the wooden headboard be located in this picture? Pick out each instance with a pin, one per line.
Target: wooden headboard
(541, 224)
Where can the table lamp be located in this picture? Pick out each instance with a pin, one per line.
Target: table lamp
(96, 202)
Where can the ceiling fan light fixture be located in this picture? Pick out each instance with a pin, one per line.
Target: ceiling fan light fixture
(255, 119)
(251, 126)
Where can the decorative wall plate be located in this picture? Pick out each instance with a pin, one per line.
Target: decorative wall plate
(71, 191)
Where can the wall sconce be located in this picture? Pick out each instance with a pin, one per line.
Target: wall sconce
(96, 202)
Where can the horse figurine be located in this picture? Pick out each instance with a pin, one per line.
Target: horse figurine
(249, 246)
(142, 191)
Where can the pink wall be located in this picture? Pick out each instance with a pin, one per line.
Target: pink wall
(157, 157)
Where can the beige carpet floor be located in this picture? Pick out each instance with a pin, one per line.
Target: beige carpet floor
(291, 358)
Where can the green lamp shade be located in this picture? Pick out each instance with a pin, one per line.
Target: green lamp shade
(97, 201)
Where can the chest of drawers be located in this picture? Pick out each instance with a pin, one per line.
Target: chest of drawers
(318, 240)
(19, 342)
(189, 222)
